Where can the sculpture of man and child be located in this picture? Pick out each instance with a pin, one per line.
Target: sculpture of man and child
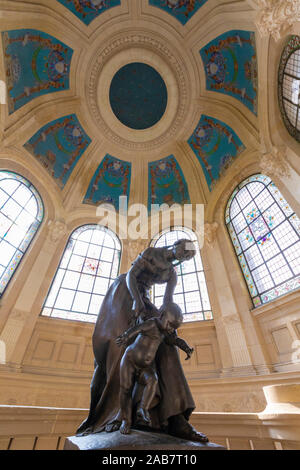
(145, 384)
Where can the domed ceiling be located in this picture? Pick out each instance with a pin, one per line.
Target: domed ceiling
(144, 98)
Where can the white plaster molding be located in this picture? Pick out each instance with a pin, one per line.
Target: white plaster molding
(276, 15)
(274, 163)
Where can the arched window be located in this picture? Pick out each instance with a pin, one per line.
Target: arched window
(88, 267)
(289, 86)
(265, 233)
(21, 213)
(191, 292)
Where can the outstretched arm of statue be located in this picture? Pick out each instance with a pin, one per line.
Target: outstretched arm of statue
(132, 333)
(170, 288)
(180, 343)
(131, 280)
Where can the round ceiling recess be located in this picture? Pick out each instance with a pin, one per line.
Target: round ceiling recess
(138, 95)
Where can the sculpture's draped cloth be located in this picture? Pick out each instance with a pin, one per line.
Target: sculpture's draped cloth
(114, 318)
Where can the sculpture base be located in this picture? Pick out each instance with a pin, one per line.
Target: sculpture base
(137, 440)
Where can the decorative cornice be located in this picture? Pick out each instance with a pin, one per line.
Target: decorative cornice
(142, 40)
(276, 15)
(274, 163)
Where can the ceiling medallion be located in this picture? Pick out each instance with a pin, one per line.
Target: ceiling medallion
(137, 47)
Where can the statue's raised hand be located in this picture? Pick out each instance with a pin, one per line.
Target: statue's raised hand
(189, 352)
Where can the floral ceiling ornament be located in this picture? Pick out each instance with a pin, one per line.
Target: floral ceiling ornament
(276, 15)
(274, 163)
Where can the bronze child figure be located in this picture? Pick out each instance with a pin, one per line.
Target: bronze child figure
(138, 360)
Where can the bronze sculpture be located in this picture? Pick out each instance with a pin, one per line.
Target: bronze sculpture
(126, 303)
(138, 361)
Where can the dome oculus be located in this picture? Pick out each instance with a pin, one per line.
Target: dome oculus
(138, 96)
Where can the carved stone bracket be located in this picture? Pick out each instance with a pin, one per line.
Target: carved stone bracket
(210, 233)
(276, 15)
(56, 230)
(274, 163)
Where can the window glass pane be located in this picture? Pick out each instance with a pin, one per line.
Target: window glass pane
(285, 235)
(293, 64)
(268, 247)
(269, 252)
(243, 197)
(191, 291)
(81, 302)
(11, 209)
(292, 256)
(10, 184)
(3, 198)
(80, 287)
(86, 283)
(24, 197)
(253, 257)
(31, 207)
(273, 216)
(279, 269)
(239, 222)
(289, 85)
(246, 238)
(15, 235)
(71, 280)
(64, 299)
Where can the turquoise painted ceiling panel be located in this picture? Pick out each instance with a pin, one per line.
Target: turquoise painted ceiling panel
(58, 146)
(216, 145)
(231, 66)
(167, 184)
(35, 64)
(182, 10)
(110, 181)
(88, 10)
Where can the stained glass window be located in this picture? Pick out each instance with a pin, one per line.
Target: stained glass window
(21, 213)
(289, 86)
(191, 291)
(265, 234)
(87, 269)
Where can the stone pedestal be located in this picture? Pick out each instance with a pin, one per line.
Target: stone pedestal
(137, 440)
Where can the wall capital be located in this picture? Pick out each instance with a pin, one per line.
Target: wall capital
(276, 15)
(56, 230)
(274, 163)
(210, 233)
